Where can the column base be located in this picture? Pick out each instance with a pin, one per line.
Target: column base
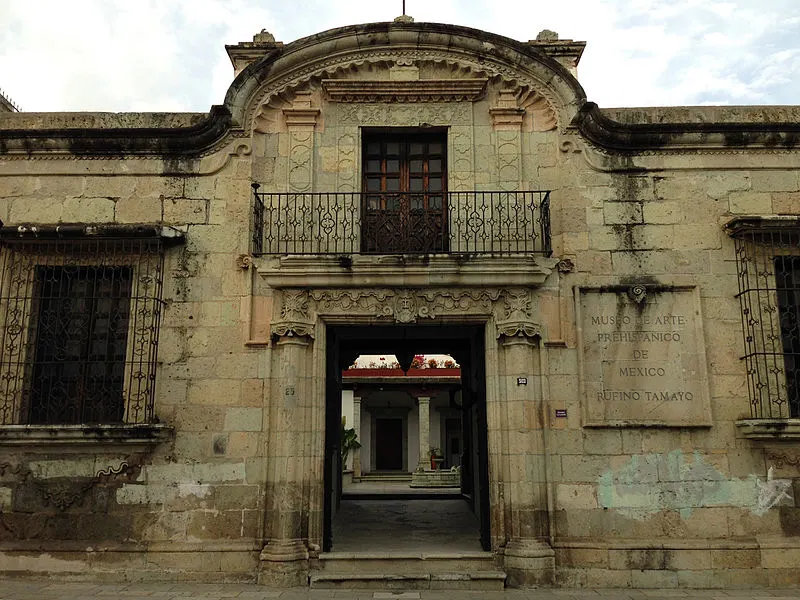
(529, 563)
(284, 564)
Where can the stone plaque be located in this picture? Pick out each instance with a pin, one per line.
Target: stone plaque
(642, 357)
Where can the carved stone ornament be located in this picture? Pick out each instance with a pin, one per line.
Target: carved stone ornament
(637, 293)
(295, 306)
(295, 317)
(519, 328)
(517, 305)
(516, 318)
(63, 494)
(244, 261)
(565, 265)
(264, 37)
(292, 329)
(405, 307)
(783, 459)
(511, 308)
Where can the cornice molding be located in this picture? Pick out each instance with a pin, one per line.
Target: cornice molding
(665, 138)
(315, 272)
(753, 225)
(119, 142)
(420, 90)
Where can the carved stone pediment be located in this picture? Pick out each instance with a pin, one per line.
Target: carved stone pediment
(452, 65)
(430, 90)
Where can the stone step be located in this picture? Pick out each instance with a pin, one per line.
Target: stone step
(384, 477)
(403, 570)
(479, 581)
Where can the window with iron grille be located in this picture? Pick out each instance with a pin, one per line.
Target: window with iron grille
(768, 266)
(79, 324)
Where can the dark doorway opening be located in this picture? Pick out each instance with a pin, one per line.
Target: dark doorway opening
(465, 448)
(389, 444)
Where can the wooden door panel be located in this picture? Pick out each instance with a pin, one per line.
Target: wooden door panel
(405, 202)
(388, 444)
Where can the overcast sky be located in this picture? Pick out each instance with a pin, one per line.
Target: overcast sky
(169, 55)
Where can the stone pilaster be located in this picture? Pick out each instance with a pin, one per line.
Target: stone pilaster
(357, 427)
(507, 118)
(424, 462)
(301, 121)
(284, 558)
(529, 559)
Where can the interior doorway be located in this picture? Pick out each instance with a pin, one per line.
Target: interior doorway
(460, 515)
(388, 444)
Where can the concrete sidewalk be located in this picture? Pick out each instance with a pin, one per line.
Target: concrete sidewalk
(17, 589)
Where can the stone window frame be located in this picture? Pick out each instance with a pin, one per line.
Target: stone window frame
(760, 241)
(23, 251)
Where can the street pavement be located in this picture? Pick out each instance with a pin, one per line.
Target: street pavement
(30, 589)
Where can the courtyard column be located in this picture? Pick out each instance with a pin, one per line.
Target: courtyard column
(424, 462)
(529, 559)
(290, 478)
(357, 427)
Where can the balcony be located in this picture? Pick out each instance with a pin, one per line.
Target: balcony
(452, 223)
(377, 239)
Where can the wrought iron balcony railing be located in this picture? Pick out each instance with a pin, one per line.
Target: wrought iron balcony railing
(401, 223)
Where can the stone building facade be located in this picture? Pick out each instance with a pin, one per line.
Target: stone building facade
(171, 335)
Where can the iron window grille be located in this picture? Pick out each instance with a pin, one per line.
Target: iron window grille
(79, 325)
(768, 267)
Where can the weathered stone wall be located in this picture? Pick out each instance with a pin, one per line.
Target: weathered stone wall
(668, 506)
(194, 506)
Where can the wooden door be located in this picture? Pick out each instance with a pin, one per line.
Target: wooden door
(404, 208)
(388, 444)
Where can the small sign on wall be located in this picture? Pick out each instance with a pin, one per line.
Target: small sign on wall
(522, 381)
(561, 413)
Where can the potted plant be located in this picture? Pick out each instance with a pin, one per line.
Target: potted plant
(349, 441)
(436, 458)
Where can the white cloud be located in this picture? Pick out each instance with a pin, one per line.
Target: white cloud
(153, 55)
